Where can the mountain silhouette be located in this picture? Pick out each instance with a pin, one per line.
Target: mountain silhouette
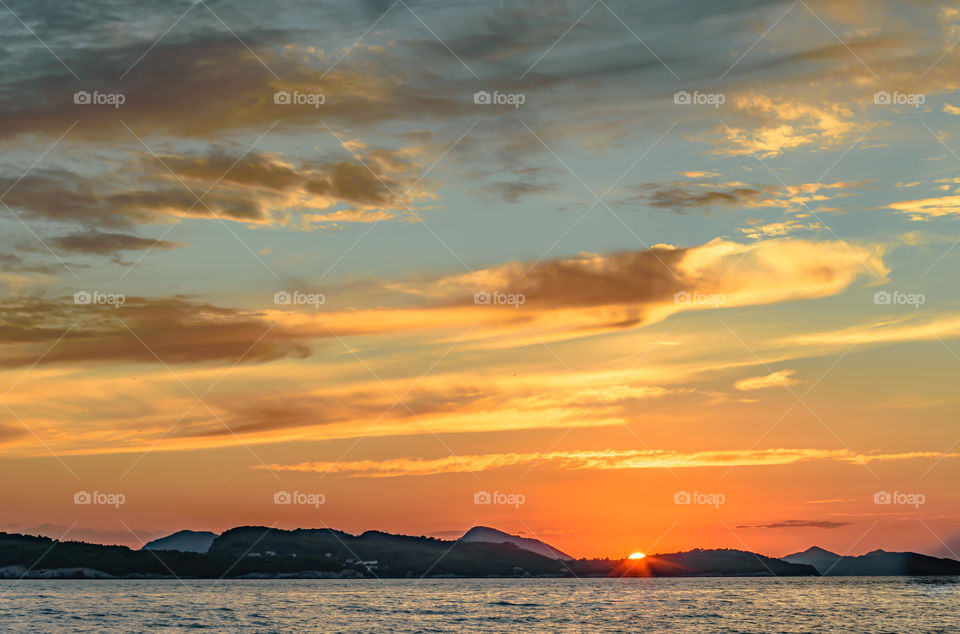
(714, 562)
(184, 541)
(258, 552)
(822, 560)
(875, 563)
(494, 536)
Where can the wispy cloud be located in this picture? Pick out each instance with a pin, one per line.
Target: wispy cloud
(926, 208)
(888, 331)
(826, 524)
(783, 378)
(599, 459)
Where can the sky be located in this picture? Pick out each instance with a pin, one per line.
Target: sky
(619, 276)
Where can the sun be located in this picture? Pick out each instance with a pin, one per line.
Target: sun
(637, 556)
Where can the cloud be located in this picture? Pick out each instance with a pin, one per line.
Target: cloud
(700, 174)
(704, 194)
(13, 263)
(925, 208)
(448, 534)
(766, 271)
(775, 379)
(883, 331)
(378, 181)
(450, 408)
(176, 329)
(598, 459)
(824, 524)
(564, 299)
(758, 230)
(63, 196)
(683, 195)
(592, 294)
(100, 243)
(202, 84)
(8, 433)
(513, 192)
(371, 183)
(108, 413)
(780, 124)
(252, 188)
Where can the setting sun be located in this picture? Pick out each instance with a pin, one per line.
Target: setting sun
(637, 556)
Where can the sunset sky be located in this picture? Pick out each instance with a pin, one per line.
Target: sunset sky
(719, 242)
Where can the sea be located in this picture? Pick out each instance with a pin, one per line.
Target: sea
(799, 604)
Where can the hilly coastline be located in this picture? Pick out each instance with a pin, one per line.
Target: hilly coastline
(262, 553)
(879, 563)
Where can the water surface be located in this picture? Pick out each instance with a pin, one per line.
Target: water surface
(876, 604)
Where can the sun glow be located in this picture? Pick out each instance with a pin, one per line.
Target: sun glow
(637, 556)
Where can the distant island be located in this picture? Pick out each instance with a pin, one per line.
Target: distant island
(878, 563)
(256, 552)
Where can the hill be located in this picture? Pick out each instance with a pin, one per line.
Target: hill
(822, 560)
(260, 552)
(711, 563)
(876, 563)
(184, 541)
(493, 536)
(385, 554)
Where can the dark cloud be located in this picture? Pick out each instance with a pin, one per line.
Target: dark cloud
(832, 60)
(351, 182)
(175, 329)
(252, 169)
(252, 188)
(681, 196)
(99, 243)
(12, 263)
(515, 191)
(454, 533)
(8, 433)
(255, 415)
(826, 524)
(371, 183)
(106, 201)
(634, 277)
(202, 86)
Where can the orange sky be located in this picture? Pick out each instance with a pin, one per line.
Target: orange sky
(695, 289)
